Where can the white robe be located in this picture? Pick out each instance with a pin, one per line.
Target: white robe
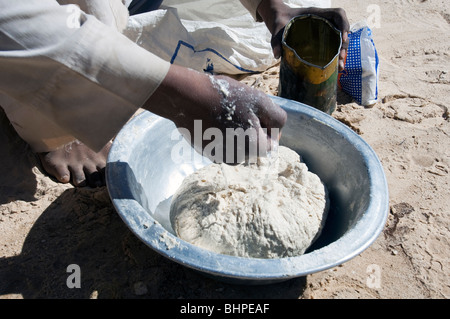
(67, 72)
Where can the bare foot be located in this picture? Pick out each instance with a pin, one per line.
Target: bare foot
(77, 163)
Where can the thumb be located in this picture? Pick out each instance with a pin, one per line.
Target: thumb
(276, 43)
(277, 51)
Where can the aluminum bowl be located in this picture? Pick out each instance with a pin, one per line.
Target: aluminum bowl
(142, 177)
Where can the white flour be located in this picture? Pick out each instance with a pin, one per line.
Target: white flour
(223, 87)
(258, 210)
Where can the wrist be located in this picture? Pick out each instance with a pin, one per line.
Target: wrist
(274, 13)
(182, 92)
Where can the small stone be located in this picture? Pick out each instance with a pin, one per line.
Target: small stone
(140, 288)
(94, 295)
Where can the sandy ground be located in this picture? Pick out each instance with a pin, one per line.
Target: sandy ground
(46, 226)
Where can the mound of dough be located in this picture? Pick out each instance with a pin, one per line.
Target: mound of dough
(272, 209)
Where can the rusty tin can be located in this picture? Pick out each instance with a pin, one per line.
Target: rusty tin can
(309, 63)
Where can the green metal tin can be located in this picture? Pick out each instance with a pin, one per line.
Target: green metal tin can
(309, 63)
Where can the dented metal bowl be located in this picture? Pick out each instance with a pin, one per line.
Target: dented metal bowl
(142, 175)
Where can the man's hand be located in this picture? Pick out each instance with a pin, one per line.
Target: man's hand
(220, 103)
(276, 15)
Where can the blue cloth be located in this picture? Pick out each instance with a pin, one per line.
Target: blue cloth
(354, 79)
(141, 6)
(351, 78)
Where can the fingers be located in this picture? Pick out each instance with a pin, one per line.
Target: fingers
(338, 17)
(345, 40)
(271, 116)
(344, 50)
(268, 119)
(276, 43)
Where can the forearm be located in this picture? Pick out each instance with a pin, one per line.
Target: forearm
(274, 13)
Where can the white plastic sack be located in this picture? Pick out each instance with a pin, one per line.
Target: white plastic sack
(215, 36)
(361, 73)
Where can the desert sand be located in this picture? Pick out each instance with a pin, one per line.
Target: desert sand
(46, 226)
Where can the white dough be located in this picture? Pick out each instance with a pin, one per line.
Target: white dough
(272, 209)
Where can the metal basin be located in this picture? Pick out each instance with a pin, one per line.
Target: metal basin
(142, 176)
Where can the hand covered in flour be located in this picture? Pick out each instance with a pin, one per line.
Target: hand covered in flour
(276, 15)
(222, 118)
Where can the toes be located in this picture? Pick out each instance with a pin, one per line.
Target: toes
(60, 172)
(78, 176)
(95, 177)
(102, 173)
(87, 176)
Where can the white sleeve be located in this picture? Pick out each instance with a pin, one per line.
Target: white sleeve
(82, 76)
(113, 13)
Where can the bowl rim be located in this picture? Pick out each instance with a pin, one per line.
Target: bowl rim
(352, 243)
